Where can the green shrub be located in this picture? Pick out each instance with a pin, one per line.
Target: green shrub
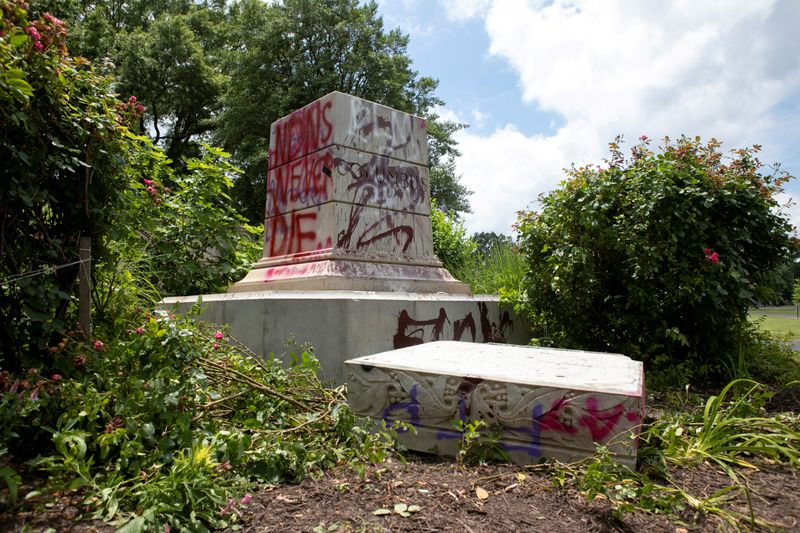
(170, 421)
(451, 244)
(73, 167)
(658, 257)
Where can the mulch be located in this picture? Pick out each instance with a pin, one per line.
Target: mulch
(519, 499)
(513, 498)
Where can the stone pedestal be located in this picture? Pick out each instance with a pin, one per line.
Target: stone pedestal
(546, 403)
(348, 203)
(345, 324)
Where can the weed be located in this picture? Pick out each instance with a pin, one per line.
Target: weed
(479, 442)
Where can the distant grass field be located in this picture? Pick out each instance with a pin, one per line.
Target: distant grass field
(780, 322)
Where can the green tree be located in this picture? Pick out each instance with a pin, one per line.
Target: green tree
(285, 55)
(167, 53)
(658, 257)
(488, 241)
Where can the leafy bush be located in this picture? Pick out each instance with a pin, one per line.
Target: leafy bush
(65, 150)
(169, 422)
(451, 244)
(197, 242)
(657, 257)
(73, 167)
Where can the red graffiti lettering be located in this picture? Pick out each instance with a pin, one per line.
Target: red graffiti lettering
(288, 234)
(304, 131)
(301, 183)
(404, 338)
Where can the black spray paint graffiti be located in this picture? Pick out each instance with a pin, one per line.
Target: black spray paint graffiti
(412, 331)
(380, 183)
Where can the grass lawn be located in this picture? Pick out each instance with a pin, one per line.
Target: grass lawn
(780, 322)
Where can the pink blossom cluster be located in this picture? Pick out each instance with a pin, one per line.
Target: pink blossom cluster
(230, 508)
(155, 190)
(48, 32)
(130, 112)
(711, 255)
(29, 387)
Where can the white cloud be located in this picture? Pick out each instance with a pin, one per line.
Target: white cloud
(463, 10)
(629, 67)
(478, 118)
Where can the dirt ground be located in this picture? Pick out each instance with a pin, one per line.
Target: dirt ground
(515, 499)
(453, 497)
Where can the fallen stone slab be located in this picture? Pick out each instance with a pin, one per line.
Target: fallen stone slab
(539, 403)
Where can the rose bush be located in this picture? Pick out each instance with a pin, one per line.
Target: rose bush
(658, 256)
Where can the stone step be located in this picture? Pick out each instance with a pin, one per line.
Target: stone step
(539, 403)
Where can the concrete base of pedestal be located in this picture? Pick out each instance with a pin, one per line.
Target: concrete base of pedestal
(345, 324)
(543, 402)
(339, 274)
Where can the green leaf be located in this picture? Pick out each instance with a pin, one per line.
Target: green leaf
(18, 39)
(381, 512)
(22, 86)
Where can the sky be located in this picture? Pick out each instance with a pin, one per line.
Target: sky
(548, 84)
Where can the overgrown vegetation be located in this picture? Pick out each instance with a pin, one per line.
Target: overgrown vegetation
(171, 422)
(451, 244)
(73, 167)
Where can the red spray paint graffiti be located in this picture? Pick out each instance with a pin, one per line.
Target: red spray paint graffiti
(404, 338)
(304, 182)
(304, 131)
(292, 234)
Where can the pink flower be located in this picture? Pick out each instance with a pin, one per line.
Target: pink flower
(98, 345)
(79, 360)
(139, 108)
(246, 499)
(711, 255)
(219, 335)
(38, 45)
(151, 190)
(147, 181)
(139, 330)
(216, 346)
(643, 138)
(52, 20)
(56, 377)
(132, 99)
(33, 32)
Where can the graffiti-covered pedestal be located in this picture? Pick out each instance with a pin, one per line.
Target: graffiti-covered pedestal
(348, 203)
(348, 261)
(345, 324)
(538, 402)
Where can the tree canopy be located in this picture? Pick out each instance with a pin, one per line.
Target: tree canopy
(222, 73)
